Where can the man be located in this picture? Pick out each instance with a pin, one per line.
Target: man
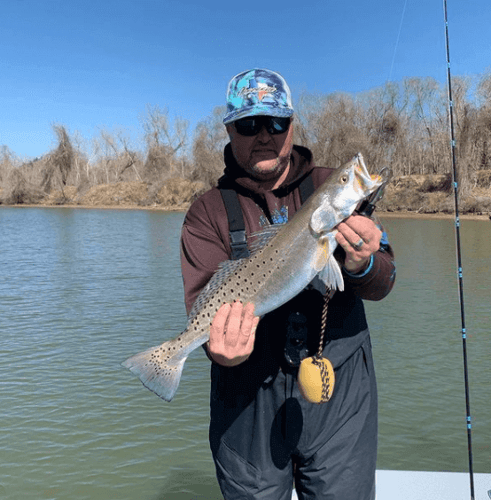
(264, 436)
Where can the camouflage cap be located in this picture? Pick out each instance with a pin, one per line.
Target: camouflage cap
(258, 92)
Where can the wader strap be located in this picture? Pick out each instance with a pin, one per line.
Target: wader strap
(306, 188)
(238, 238)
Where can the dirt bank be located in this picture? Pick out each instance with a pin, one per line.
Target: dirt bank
(405, 198)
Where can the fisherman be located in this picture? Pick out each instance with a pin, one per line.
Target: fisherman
(264, 435)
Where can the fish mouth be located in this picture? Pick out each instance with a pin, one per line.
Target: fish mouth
(364, 181)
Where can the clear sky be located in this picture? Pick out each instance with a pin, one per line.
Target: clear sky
(93, 65)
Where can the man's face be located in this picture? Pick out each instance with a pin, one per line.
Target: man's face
(263, 156)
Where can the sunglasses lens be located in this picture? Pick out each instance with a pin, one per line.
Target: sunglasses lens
(278, 125)
(248, 126)
(252, 125)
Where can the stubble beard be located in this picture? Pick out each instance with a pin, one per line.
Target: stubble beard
(263, 172)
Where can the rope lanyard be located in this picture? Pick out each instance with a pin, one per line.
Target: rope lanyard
(459, 257)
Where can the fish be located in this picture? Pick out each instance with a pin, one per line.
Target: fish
(284, 259)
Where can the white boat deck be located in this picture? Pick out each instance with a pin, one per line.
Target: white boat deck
(410, 485)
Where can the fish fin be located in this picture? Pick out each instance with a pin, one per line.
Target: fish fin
(322, 256)
(332, 275)
(328, 268)
(157, 372)
(225, 269)
(323, 217)
(261, 238)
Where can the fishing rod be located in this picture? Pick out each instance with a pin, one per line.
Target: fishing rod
(459, 255)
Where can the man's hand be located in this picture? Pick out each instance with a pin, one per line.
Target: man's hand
(232, 334)
(360, 238)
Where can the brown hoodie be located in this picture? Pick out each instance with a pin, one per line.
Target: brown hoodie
(205, 241)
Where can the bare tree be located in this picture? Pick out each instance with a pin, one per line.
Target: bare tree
(59, 164)
(166, 145)
(483, 124)
(331, 127)
(208, 145)
(115, 159)
(80, 172)
(8, 161)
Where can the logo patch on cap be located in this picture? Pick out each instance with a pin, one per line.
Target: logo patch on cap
(261, 89)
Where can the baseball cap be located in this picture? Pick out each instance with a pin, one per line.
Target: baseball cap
(258, 92)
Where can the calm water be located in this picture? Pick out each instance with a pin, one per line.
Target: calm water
(82, 290)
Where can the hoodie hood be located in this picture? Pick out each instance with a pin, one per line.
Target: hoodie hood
(300, 165)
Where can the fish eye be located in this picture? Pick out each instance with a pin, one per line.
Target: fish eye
(344, 179)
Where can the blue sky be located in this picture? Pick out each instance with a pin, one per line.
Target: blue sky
(93, 65)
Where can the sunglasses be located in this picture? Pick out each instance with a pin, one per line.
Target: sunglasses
(252, 125)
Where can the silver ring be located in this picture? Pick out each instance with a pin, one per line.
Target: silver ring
(358, 244)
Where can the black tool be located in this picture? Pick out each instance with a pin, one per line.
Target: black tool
(367, 206)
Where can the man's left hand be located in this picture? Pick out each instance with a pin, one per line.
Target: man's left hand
(360, 238)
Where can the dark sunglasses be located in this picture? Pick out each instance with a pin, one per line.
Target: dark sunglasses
(252, 125)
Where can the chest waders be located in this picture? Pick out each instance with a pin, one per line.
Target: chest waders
(316, 373)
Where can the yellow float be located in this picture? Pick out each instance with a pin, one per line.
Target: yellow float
(316, 379)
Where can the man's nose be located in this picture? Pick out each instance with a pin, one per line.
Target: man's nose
(263, 135)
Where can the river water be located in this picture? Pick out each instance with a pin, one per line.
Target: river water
(81, 290)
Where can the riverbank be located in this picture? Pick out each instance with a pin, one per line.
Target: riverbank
(407, 197)
(184, 208)
(417, 215)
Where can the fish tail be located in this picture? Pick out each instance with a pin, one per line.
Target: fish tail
(158, 371)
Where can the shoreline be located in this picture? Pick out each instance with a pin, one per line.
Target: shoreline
(439, 215)
(184, 208)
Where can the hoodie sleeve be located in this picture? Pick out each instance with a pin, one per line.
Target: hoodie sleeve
(378, 279)
(202, 247)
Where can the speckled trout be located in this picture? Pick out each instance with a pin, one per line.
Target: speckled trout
(284, 260)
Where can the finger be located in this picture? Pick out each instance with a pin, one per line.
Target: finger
(248, 320)
(252, 337)
(354, 257)
(232, 328)
(348, 238)
(217, 328)
(365, 228)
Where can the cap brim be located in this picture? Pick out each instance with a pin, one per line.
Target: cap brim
(256, 110)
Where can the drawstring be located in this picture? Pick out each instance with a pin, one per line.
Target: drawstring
(316, 359)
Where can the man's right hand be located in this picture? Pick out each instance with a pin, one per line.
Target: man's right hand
(232, 334)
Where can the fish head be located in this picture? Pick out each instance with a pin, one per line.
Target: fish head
(341, 193)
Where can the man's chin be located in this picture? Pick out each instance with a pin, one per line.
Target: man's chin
(269, 169)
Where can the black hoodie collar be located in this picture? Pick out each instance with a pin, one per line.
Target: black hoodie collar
(235, 177)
